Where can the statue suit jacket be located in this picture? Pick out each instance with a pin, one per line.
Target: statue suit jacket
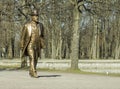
(26, 37)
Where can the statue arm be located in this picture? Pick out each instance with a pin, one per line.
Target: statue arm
(42, 35)
(42, 42)
(42, 30)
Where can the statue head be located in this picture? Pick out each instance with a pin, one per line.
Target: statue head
(34, 13)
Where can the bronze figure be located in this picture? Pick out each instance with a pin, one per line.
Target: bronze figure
(31, 43)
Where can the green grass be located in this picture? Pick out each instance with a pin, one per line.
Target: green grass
(79, 72)
(16, 67)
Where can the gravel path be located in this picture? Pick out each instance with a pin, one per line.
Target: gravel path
(50, 80)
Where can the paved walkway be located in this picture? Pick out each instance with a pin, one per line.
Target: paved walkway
(19, 79)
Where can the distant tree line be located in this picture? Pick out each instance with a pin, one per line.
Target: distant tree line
(74, 29)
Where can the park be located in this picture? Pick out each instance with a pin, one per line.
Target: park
(59, 44)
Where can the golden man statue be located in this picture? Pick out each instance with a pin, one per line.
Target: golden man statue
(31, 42)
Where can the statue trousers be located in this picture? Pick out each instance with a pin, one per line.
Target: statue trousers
(33, 57)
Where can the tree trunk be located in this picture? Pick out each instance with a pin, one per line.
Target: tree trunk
(117, 48)
(94, 48)
(10, 52)
(75, 40)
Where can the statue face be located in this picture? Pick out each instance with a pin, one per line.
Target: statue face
(35, 18)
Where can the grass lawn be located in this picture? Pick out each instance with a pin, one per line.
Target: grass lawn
(16, 67)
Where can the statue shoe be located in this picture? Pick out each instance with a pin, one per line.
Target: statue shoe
(35, 74)
(31, 73)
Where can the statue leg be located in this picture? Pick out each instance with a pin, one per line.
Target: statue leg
(36, 60)
(32, 71)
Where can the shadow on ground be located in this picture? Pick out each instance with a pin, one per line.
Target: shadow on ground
(26, 68)
(49, 76)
